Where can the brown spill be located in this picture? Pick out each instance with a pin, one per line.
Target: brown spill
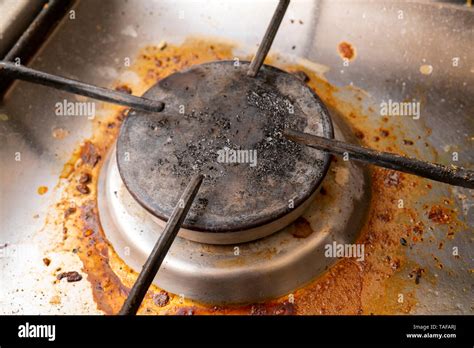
(42, 190)
(440, 215)
(301, 228)
(346, 50)
(349, 287)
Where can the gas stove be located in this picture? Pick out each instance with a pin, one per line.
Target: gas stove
(270, 222)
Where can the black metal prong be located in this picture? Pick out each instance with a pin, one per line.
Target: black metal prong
(268, 38)
(452, 175)
(108, 95)
(153, 263)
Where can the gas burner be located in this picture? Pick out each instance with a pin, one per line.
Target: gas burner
(269, 267)
(224, 110)
(215, 117)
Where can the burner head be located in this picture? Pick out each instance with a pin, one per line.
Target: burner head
(220, 122)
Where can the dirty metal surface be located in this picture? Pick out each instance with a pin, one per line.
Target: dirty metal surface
(267, 268)
(387, 66)
(212, 110)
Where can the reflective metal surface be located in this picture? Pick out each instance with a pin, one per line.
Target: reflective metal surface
(16, 16)
(393, 41)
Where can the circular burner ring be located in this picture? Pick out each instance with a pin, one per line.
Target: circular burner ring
(264, 269)
(215, 111)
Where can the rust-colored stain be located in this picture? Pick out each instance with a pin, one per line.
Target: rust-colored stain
(440, 215)
(373, 286)
(301, 228)
(42, 190)
(346, 50)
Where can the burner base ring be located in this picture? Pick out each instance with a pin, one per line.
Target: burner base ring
(242, 273)
(229, 127)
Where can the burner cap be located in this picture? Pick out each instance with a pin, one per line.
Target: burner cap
(228, 126)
